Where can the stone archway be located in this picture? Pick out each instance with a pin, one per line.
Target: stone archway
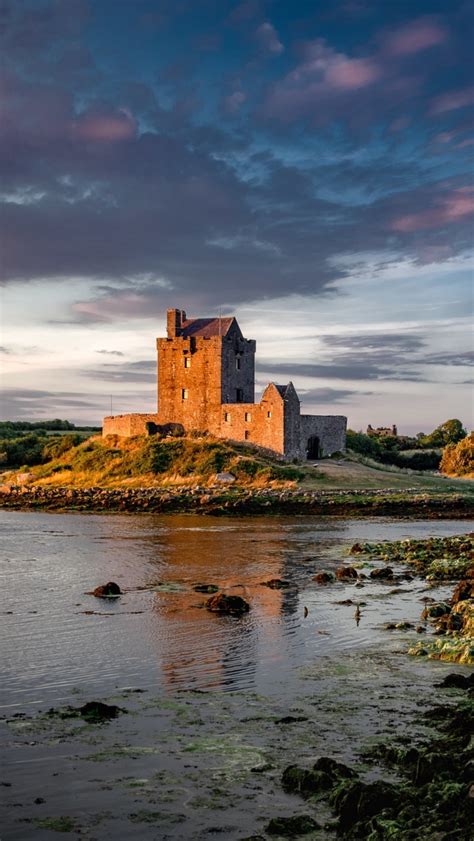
(313, 447)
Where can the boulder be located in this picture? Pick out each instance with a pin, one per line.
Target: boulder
(275, 584)
(226, 478)
(324, 577)
(382, 574)
(206, 588)
(292, 827)
(345, 573)
(227, 605)
(111, 590)
(464, 590)
(358, 802)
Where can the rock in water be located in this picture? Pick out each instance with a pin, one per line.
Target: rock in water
(107, 591)
(292, 827)
(324, 577)
(205, 588)
(345, 572)
(230, 605)
(382, 573)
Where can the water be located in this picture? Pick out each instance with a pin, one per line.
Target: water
(51, 643)
(200, 750)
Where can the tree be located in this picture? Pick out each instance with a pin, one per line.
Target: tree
(458, 459)
(449, 432)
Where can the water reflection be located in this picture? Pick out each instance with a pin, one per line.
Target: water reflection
(165, 637)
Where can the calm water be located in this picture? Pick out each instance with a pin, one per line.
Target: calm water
(158, 635)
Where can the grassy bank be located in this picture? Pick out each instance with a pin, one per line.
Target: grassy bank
(144, 462)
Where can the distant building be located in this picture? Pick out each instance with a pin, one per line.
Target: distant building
(206, 382)
(382, 431)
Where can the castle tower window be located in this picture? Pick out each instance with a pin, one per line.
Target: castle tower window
(227, 417)
(247, 434)
(248, 416)
(237, 363)
(269, 414)
(187, 361)
(184, 394)
(239, 395)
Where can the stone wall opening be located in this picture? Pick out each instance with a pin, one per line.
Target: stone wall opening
(313, 448)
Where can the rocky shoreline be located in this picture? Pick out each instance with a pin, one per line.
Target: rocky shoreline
(240, 501)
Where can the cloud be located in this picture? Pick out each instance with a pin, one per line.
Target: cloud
(329, 395)
(450, 208)
(108, 126)
(323, 74)
(346, 367)
(233, 103)
(268, 39)
(31, 404)
(143, 371)
(415, 36)
(452, 101)
(4, 349)
(111, 352)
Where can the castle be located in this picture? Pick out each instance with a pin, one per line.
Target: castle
(206, 382)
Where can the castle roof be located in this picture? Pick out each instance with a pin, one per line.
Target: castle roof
(206, 327)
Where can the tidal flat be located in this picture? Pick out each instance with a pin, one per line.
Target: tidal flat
(211, 709)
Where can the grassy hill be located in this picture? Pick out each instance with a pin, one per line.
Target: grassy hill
(147, 462)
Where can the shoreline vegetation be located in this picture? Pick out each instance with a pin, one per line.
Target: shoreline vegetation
(241, 501)
(201, 474)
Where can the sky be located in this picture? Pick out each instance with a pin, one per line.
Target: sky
(306, 166)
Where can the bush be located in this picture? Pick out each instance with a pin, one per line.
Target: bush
(25, 450)
(458, 459)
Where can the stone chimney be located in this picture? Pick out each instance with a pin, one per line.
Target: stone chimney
(174, 322)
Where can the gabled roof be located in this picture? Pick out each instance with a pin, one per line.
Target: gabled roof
(284, 391)
(206, 327)
(281, 389)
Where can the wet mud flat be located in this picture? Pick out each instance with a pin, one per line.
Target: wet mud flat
(212, 764)
(219, 726)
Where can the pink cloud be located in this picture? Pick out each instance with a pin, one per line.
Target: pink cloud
(233, 103)
(351, 74)
(105, 127)
(452, 101)
(268, 38)
(418, 35)
(323, 75)
(450, 208)
(400, 123)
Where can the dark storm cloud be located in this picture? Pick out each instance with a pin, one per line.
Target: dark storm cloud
(345, 368)
(399, 342)
(23, 404)
(143, 371)
(161, 203)
(329, 395)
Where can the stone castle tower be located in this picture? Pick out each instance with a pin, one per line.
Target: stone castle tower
(206, 382)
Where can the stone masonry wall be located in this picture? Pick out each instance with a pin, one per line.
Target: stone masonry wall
(127, 425)
(330, 429)
(187, 394)
(238, 368)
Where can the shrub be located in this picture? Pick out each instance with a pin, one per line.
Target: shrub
(458, 459)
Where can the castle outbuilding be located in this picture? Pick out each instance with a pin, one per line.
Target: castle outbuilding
(206, 382)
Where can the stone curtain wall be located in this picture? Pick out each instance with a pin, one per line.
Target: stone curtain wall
(330, 429)
(127, 425)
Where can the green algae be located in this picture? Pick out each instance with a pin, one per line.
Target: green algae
(121, 752)
(451, 650)
(438, 558)
(60, 824)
